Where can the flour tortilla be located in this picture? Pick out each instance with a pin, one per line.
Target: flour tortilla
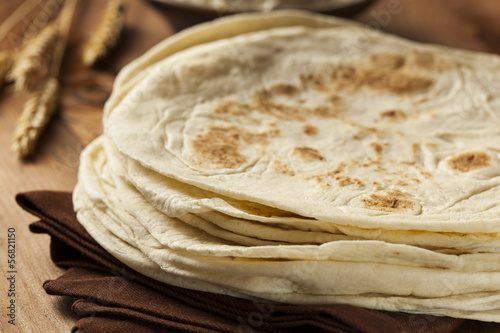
(224, 27)
(177, 199)
(134, 211)
(407, 173)
(479, 306)
(226, 6)
(318, 281)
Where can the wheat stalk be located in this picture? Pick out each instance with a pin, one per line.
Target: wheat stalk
(106, 34)
(41, 103)
(34, 59)
(37, 111)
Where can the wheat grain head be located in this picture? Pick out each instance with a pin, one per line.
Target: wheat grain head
(36, 113)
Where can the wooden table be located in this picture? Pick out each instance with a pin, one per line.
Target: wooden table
(55, 164)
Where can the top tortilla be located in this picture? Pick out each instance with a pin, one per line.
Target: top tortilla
(379, 132)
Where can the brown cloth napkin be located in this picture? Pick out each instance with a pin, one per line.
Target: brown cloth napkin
(110, 297)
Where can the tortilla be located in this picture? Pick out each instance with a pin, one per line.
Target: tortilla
(188, 257)
(132, 210)
(260, 101)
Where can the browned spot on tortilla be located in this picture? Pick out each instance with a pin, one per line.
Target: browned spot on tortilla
(431, 145)
(259, 138)
(264, 104)
(280, 167)
(429, 61)
(377, 147)
(388, 61)
(335, 99)
(284, 89)
(220, 146)
(233, 108)
(308, 154)
(310, 130)
(470, 161)
(415, 149)
(315, 82)
(317, 178)
(338, 169)
(393, 115)
(393, 81)
(331, 174)
(424, 173)
(325, 112)
(346, 181)
(390, 201)
(424, 59)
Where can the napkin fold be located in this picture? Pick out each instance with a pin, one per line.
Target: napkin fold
(111, 297)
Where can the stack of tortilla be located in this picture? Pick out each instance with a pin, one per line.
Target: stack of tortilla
(304, 159)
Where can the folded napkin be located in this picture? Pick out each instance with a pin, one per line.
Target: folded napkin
(110, 297)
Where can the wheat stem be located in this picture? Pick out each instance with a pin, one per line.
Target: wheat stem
(34, 59)
(106, 34)
(37, 111)
(64, 29)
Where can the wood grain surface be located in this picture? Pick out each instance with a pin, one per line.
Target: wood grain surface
(78, 120)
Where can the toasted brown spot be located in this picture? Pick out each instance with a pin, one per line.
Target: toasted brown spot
(317, 178)
(337, 170)
(424, 59)
(285, 89)
(429, 61)
(264, 104)
(377, 147)
(346, 181)
(391, 201)
(415, 149)
(310, 130)
(388, 61)
(280, 167)
(431, 145)
(470, 161)
(308, 154)
(395, 82)
(335, 99)
(231, 108)
(393, 115)
(424, 173)
(331, 174)
(315, 82)
(325, 112)
(220, 146)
